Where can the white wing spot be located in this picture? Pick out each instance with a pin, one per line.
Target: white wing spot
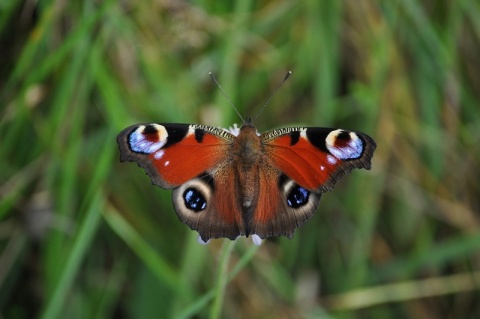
(191, 130)
(167, 162)
(158, 155)
(303, 133)
(331, 159)
(322, 167)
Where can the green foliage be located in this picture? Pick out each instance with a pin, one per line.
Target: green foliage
(83, 236)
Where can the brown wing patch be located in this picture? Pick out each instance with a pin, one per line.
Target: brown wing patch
(277, 213)
(206, 207)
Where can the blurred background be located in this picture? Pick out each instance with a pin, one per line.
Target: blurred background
(84, 236)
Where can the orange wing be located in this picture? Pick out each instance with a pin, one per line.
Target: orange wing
(316, 158)
(172, 154)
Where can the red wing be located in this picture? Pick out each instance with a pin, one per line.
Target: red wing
(316, 158)
(172, 154)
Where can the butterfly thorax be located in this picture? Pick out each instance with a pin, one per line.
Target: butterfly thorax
(246, 147)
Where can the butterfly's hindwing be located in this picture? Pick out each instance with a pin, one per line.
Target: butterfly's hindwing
(283, 205)
(205, 206)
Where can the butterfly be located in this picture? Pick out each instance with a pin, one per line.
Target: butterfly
(226, 185)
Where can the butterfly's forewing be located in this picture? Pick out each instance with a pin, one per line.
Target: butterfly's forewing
(172, 154)
(316, 158)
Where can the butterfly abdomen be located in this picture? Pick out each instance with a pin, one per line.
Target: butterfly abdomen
(247, 155)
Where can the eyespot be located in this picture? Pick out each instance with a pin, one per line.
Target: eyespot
(148, 139)
(194, 200)
(193, 197)
(298, 196)
(344, 145)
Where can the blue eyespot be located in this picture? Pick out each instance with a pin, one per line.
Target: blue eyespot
(194, 200)
(297, 197)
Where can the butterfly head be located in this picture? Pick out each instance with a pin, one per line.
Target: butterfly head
(248, 128)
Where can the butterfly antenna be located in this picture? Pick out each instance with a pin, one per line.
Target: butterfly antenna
(225, 94)
(274, 92)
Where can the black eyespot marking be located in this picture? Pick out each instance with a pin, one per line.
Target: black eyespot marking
(176, 133)
(344, 136)
(295, 137)
(317, 137)
(297, 197)
(194, 200)
(282, 180)
(150, 129)
(199, 135)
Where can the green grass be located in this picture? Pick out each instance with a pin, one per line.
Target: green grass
(84, 236)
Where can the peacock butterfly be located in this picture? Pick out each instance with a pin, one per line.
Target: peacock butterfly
(264, 184)
(227, 185)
